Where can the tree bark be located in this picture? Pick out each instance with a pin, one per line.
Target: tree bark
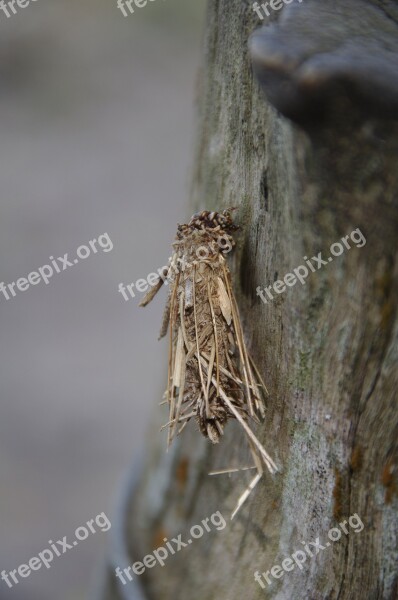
(327, 349)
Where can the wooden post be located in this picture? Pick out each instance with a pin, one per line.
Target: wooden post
(327, 349)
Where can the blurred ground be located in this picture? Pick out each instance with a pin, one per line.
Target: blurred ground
(96, 126)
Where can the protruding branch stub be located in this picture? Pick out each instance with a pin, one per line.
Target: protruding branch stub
(325, 60)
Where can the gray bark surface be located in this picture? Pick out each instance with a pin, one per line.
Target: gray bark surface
(327, 350)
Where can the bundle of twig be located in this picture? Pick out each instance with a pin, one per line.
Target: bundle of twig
(211, 377)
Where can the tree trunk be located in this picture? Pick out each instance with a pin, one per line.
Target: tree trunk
(327, 348)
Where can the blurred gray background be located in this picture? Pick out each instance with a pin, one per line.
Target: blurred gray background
(97, 121)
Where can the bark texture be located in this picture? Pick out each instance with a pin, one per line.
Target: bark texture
(327, 349)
